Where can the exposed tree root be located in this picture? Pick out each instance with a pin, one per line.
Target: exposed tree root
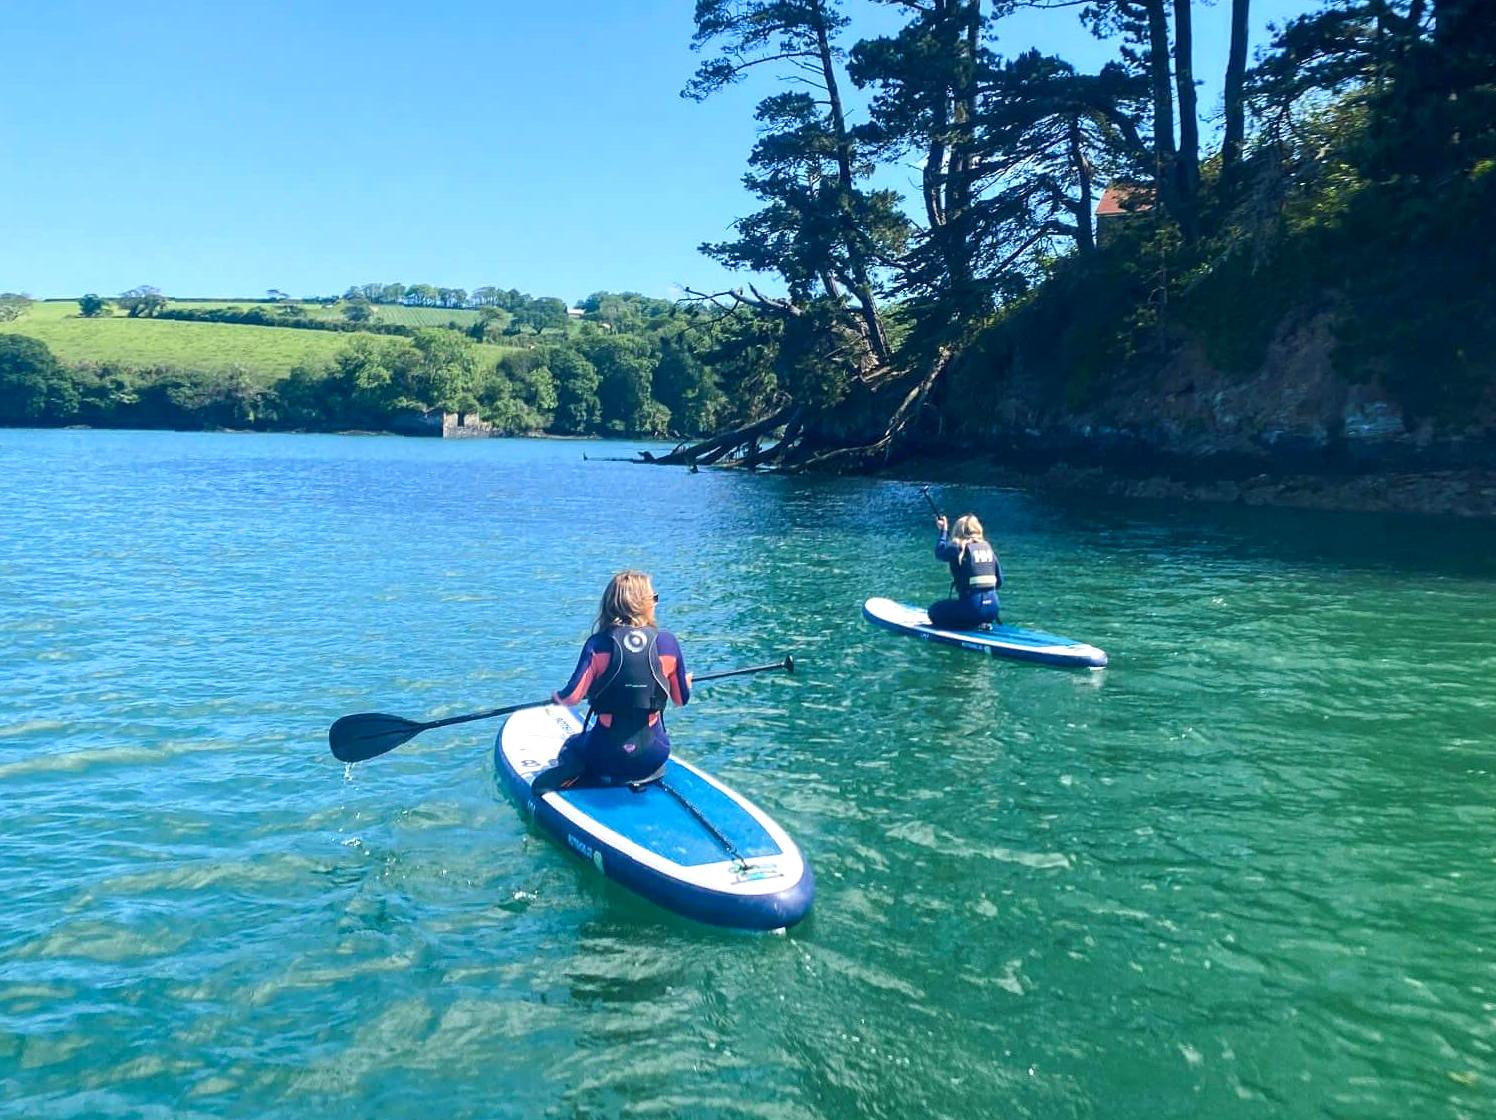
(708, 451)
(811, 442)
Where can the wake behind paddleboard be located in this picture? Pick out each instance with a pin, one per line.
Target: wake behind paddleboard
(1001, 641)
(737, 869)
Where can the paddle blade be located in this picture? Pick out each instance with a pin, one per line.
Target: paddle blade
(369, 734)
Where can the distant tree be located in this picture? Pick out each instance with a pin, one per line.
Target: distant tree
(625, 365)
(544, 313)
(91, 305)
(652, 419)
(13, 305)
(33, 385)
(513, 300)
(687, 387)
(489, 325)
(627, 311)
(530, 383)
(445, 372)
(422, 295)
(275, 295)
(358, 311)
(142, 302)
(576, 380)
(365, 382)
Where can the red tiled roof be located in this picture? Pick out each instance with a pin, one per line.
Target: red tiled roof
(1124, 198)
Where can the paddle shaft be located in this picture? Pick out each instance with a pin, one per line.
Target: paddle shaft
(788, 665)
(925, 490)
(370, 734)
(490, 714)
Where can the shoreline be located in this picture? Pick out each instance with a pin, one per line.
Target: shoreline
(1466, 493)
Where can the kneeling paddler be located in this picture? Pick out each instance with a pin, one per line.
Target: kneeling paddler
(628, 672)
(975, 576)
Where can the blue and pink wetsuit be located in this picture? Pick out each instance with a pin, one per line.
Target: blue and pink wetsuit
(621, 746)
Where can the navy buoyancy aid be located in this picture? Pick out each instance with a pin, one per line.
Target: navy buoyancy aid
(976, 570)
(634, 679)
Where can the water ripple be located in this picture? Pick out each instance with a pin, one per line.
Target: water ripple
(1246, 870)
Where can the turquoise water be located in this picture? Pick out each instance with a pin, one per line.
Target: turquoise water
(1248, 870)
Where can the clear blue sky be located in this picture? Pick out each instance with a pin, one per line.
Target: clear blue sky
(223, 149)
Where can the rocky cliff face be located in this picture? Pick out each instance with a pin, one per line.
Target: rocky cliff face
(1291, 430)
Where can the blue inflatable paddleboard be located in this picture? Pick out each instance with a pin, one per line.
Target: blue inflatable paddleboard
(1001, 641)
(729, 866)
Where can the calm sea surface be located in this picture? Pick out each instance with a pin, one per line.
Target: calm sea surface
(1248, 870)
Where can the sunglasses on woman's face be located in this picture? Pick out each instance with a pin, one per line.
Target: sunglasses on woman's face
(656, 596)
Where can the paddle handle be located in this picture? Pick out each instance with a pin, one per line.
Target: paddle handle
(925, 491)
(788, 665)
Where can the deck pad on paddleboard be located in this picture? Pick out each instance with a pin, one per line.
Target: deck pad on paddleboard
(651, 841)
(1000, 641)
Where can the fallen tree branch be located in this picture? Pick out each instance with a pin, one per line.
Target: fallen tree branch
(709, 450)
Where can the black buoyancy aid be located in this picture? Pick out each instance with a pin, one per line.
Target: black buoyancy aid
(976, 570)
(634, 679)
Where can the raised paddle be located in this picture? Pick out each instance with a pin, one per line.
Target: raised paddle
(367, 735)
(925, 490)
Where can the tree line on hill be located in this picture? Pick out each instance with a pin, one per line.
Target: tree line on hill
(502, 311)
(1357, 168)
(635, 366)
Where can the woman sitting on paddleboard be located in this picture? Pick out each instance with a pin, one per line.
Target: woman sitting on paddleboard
(975, 574)
(628, 671)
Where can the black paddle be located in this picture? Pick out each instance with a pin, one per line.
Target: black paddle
(370, 734)
(925, 490)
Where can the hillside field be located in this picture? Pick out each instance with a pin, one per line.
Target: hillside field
(269, 352)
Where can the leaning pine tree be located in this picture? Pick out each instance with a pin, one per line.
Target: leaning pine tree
(838, 389)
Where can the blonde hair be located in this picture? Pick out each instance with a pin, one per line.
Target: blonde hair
(967, 528)
(629, 600)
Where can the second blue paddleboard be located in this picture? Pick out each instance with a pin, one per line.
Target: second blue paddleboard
(1001, 641)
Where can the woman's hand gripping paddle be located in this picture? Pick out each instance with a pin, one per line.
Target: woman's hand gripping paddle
(367, 735)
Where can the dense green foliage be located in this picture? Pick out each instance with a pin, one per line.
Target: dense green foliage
(1354, 182)
(33, 386)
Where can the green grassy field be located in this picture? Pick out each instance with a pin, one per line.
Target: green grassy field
(269, 352)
